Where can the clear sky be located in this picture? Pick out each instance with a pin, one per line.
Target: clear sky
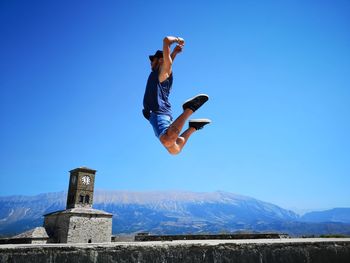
(73, 74)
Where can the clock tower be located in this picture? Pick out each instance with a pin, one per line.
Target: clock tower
(81, 188)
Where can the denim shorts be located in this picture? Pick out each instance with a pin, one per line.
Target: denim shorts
(160, 123)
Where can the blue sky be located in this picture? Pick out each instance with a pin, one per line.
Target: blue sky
(73, 74)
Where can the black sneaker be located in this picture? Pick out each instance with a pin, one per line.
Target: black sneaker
(198, 123)
(196, 102)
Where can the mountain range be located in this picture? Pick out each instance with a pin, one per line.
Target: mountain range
(177, 212)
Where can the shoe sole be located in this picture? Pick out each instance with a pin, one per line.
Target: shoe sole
(199, 95)
(200, 120)
(203, 97)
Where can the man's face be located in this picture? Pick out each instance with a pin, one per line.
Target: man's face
(156, 62)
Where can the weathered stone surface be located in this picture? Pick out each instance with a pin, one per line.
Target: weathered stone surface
(243, 251)
(38, 232)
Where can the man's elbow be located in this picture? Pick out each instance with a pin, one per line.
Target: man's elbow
(166, 40)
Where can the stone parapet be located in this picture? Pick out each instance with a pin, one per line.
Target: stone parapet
(243, 251)
(149, 237)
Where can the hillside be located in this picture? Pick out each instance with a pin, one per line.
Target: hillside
(170, 213)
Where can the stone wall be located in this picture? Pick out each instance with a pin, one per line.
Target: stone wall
(89, 229)
(148, 237)
(244, 251)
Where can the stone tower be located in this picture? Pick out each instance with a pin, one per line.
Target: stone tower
(79, 223)
(81, 188)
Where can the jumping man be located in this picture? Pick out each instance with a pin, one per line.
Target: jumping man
(157, 108)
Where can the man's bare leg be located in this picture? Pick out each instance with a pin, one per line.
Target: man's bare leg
(181, 141)
(172, 139)
(172, 134)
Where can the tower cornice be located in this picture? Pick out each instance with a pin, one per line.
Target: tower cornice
(83, 169)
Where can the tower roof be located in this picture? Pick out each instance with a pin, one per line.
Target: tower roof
(83, 169)
(80, 211)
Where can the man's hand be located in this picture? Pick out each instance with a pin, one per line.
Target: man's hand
(180, 41)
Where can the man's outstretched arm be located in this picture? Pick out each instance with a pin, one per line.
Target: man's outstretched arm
(167, 57)
(177, 50)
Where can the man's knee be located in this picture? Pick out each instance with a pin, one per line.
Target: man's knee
(170, 144)
(167, 141)
(173, 152)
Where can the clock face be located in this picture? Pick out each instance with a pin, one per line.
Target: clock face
(85, 180)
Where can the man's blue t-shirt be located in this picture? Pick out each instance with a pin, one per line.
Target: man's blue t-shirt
(156, 98)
